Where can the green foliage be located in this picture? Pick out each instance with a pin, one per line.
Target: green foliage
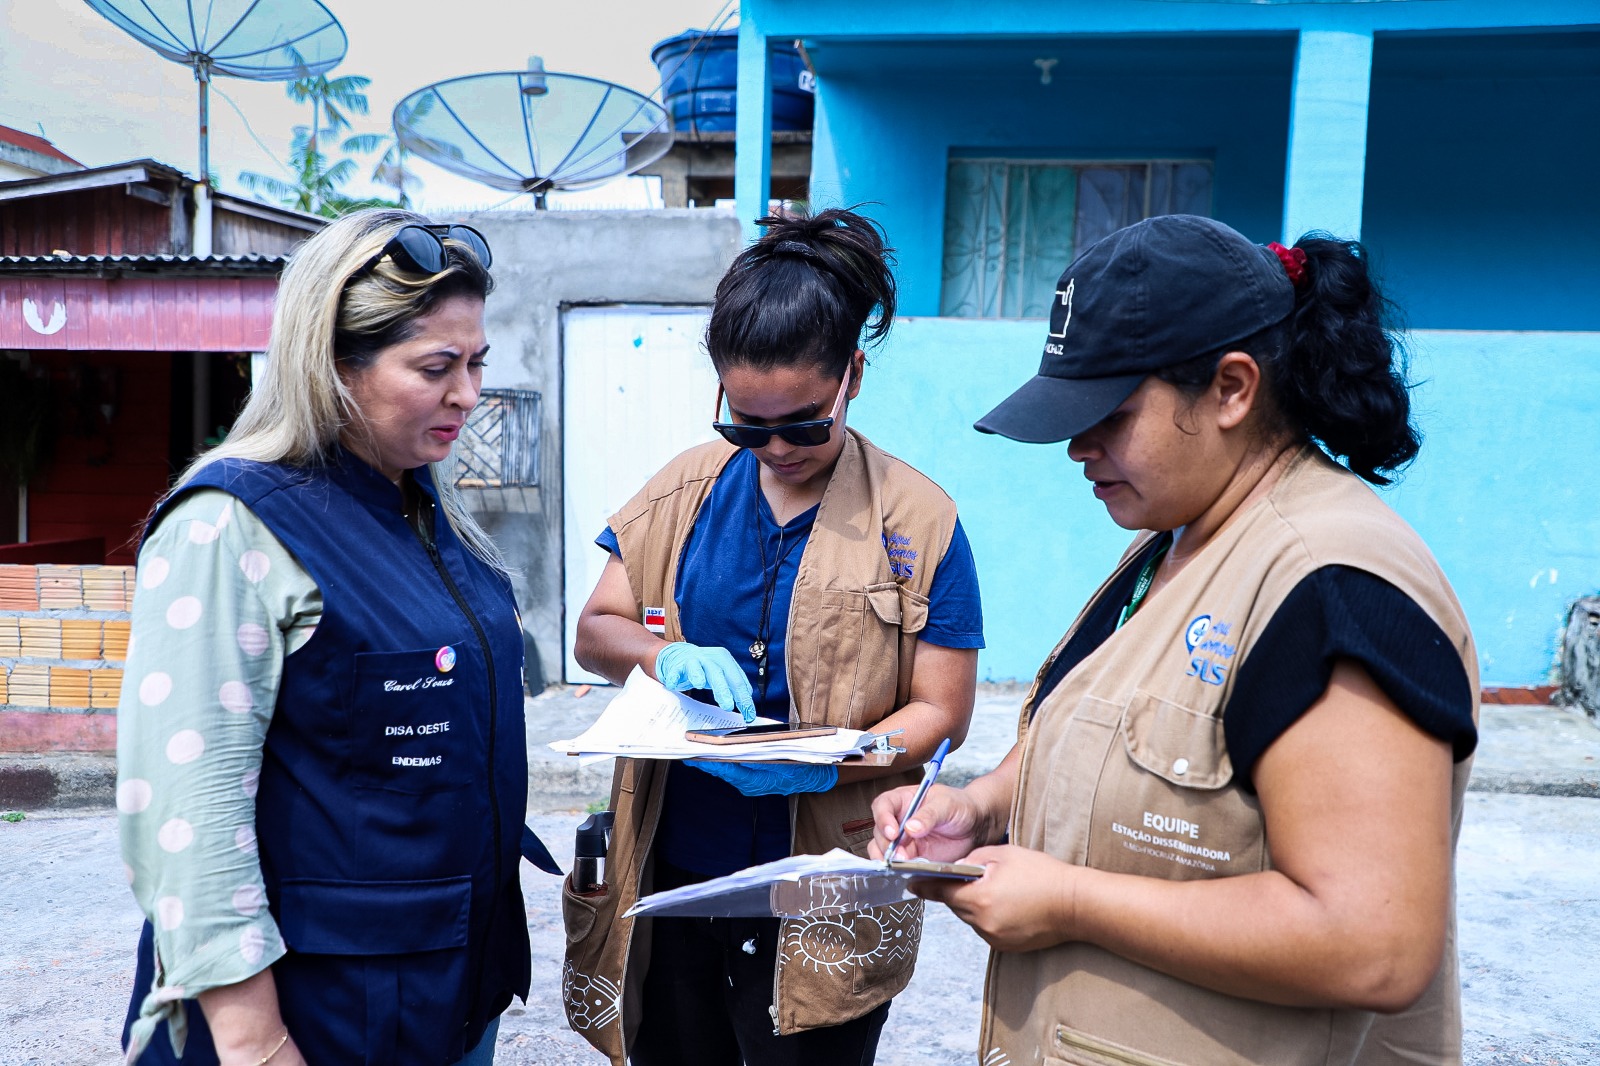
(316, 185)
(12, 816)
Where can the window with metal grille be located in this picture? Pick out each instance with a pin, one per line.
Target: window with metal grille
(499, 445)
(1011, 226)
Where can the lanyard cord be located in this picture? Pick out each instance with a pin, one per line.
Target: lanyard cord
(1142, 586)
(758, 647)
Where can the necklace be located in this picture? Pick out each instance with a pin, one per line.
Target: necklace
(769, 587)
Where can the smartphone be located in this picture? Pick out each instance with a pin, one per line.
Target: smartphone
(749, 734)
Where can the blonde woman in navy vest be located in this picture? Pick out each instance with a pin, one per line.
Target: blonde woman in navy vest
(320, 759)
(1226, 833)
(795, 570)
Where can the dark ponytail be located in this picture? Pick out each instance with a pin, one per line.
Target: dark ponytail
(803, 294)
(1341, 380)
(1333, 370)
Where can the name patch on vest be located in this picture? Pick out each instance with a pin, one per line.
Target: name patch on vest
(412, 727)
(422, 682)
(1210, 651)
(655, 619)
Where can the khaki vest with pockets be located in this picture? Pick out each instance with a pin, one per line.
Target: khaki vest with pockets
(1126, 768)
(851, 636)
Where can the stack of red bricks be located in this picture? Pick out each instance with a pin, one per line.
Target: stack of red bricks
(63, 640)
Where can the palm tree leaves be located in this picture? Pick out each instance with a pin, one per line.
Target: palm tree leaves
(315, 185)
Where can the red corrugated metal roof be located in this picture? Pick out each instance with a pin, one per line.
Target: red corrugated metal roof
(35, 144)
(168, 265)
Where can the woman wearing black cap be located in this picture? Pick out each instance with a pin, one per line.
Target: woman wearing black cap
(1232, 814)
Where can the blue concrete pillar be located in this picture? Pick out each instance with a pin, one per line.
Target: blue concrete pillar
(752, 174)
(1328, 133)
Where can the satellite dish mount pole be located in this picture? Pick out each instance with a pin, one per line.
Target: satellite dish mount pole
(201, 243)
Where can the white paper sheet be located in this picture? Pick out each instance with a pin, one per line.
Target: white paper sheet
(801, 886)
(646, 720)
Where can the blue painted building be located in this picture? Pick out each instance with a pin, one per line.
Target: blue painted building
(1459, 139)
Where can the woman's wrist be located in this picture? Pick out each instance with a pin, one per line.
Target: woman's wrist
(991, 810)
(245, 1022)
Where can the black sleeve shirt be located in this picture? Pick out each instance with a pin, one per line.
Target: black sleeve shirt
(1336, 612)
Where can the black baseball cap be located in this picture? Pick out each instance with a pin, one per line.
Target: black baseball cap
(1149, 296)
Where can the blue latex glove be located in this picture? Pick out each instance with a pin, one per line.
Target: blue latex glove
(682, 667)
(770, 779)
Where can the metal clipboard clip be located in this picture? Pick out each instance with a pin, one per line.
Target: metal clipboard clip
(881, 745)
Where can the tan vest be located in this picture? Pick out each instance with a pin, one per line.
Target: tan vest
(851, 636)
(1125, 768)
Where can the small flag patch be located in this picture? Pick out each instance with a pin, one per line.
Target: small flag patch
(655, 619)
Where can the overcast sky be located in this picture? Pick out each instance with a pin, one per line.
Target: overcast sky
(102, 97)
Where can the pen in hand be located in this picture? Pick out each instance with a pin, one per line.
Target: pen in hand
(930, 774)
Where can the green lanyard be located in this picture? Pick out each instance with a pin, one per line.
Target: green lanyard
(1142, 586)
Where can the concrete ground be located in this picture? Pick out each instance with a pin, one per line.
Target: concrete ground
(1529, 909)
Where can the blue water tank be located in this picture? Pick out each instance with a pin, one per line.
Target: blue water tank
(700, 79)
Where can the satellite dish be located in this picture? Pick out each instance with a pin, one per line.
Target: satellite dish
(529, 131)
(262, 40)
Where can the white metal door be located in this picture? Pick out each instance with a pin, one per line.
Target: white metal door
(637, 389)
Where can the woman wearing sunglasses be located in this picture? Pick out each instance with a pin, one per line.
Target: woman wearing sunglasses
(320, 755)
(795, 571)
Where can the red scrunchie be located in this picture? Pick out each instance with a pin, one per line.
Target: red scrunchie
(1294, 262)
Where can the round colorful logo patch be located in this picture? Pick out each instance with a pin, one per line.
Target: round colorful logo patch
(445, 659)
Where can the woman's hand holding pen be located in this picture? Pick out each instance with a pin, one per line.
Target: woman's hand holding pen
(1024, 900)
(946, 826)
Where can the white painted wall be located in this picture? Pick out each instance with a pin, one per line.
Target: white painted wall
(637, 390)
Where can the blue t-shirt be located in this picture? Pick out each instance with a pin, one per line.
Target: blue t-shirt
(707, 826)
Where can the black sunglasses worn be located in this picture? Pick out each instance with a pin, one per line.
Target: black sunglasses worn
(421, 247)
(812, 433)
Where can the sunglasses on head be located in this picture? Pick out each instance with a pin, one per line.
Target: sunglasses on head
(812, 433)
(420, 247)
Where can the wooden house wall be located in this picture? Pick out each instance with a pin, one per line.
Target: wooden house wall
(104, 221)
(237, 234)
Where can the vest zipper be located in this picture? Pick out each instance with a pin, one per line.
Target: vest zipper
(494, 696)
(488, 660)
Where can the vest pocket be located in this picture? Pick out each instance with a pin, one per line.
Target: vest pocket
(374, 917)
(412, 718)
(381, 966)
(853, 682)
(1188, 748)
(1077, 1048)
(579, 910)
(898, 606)
(591, 1000)
(1165, 805)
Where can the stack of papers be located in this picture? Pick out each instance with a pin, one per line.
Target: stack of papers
(648, 721)
(802, 886)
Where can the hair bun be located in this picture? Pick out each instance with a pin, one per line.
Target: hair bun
(793, 247)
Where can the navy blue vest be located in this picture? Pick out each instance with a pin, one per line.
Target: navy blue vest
(394, 781)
